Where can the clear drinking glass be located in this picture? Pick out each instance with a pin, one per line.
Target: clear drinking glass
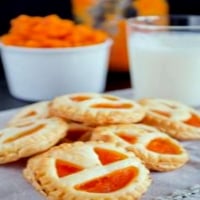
(164, 56)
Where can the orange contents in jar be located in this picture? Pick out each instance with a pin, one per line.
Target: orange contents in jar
(80, 10)
(119, 51)
(156, 7)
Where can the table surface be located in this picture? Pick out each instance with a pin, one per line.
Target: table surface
(115, 81)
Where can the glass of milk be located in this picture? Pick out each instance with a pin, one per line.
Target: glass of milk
(164, 56)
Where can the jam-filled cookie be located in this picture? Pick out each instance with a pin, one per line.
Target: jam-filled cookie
(19, 142)
(178, 120)
(96, 109)
(91, 170)
(158, 151)
(77, 132)
(30, 113)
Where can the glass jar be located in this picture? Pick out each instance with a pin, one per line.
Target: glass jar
(111, 15)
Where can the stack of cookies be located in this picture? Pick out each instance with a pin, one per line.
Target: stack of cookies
(98, 146)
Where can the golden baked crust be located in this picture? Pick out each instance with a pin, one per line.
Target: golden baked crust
(93, 173)
(176, 119)
(19, 142)
(30, 113)
(96, 109)
(158, 151)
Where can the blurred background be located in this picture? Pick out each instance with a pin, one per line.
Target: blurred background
(101, 14)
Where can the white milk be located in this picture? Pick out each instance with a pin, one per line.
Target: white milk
(166, 65)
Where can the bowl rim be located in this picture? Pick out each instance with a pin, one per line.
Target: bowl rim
(107, 43)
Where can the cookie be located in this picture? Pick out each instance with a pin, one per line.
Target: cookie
(30, 113)
(27, 140)
(157, 150)
(96, 109)
(178, 120)
(91, 170)
(77, 132)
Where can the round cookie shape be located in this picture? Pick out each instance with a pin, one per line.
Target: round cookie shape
(178, 120)
(27, 140)
(96, 109)
(157, 150)
(91, 170)
(30, 113)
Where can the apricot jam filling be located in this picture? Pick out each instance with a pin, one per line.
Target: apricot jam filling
(108, 156)
(164, 146)
(74, 135)
(194, 120)
(30, 114)
(65, 168)
(128, 138)
(80, 98)
(25, 133)
(113, 106)
(163, 113)
(112, 182)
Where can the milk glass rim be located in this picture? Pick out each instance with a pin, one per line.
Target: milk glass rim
(147, 19)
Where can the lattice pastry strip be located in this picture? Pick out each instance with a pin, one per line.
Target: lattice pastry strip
(24, 141)
(158, 151)
(30, 113)
(176, 119)
(113, 173)
(96, 109)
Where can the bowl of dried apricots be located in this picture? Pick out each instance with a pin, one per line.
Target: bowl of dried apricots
(44, 57)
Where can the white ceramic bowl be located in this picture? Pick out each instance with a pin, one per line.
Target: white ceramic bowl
(41, 74)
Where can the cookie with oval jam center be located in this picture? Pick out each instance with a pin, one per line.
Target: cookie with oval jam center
(96, 109)
(30, 138)
(157, 150)
(178, 120)
(91, 170)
